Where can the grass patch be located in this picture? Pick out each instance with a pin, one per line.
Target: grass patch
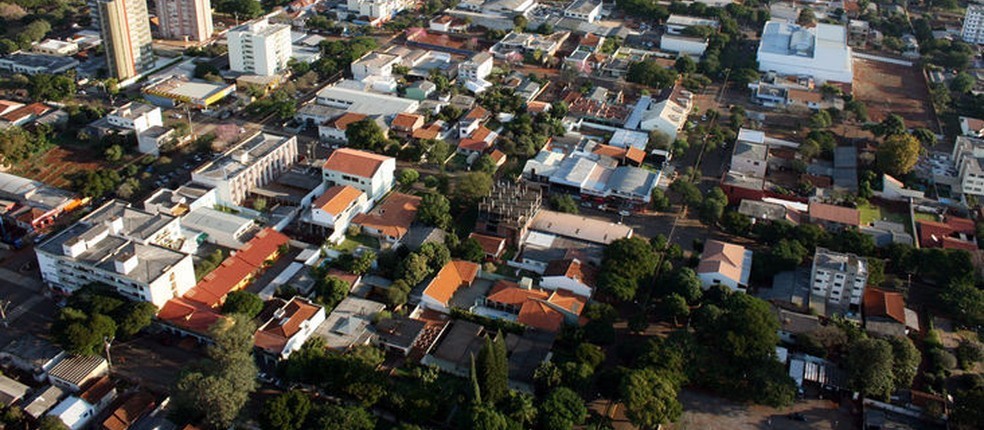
(352, 242)
(920, 216)
(871, 213)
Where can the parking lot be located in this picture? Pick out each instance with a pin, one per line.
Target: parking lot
(705, 412)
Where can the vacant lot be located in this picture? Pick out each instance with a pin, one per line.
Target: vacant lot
(888, 88)
(54, 166)
(705, 412)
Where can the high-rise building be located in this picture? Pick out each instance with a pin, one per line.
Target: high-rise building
(125, 30)
(973, 25)
(259, 48)
(185, 19)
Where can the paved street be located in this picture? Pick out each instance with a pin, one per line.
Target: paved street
(29, 310)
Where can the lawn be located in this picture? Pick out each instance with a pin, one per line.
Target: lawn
(352, 242)
(920, 216)
(871, 213)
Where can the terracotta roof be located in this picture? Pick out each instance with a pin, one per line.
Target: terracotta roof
(483, 133)
(498, 156)
(392, 216)
(609, 151)
(20, 113)
(837, 214)
(724, 258)
(537, 107)
(589, 39)
(974, 124)
(275, 333)
(574, 269)
(881, 303)
(354, 162)
(804, 95)
(188, 315)
(237, 269)
(537, 314)
(635, 154)
(509, 293)
(97, 389)
(407, 121)
(349, 277)
(262, 247)
(429, 132)
(342, 122)
(443, 19)
(537, 308)
(338, 198)
(492, 245)
(7, 104)
(477, 112)
(130, 411)
(474, 144)
(953, 233)
(452, 276)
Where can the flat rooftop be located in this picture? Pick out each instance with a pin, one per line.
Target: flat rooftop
(242, 155)
(50, 62)
(175, 87)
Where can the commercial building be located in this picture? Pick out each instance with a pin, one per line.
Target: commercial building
(837, 280)
(254, 162)
(198, 94)
(56, 47)
(724, 264)
(374, 64)
(189, 20)
(973, 25)
(821, 51)
(33, 64)
(126, 35)
(694, 46)
(750, 155)
(375, 12)
(667, 113)
(259, 48)
(135, 116)
(585, 10)
(370, 173)
(353, 97)
(133, 251)
(32, 205)
(677, 24)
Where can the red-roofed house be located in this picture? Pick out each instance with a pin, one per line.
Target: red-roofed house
(570, 275)
(493, 246)
(25, 114)
(885, 313)
(372, 173)
(478, 142)
(406, 123)
(972, 127)
(335, 130)
(390, 220)
(952, 233)
(471, 121)
(542, 309)
(133, 409)
(834, 217)
(187, 317)
(454, 275)
(291, 324)
(335, 209)
(724, 264)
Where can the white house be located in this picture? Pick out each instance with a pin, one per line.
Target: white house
(135, 116)
(77, 411)
(694, 46)
(291, 325)
(370, 173)
(821, 52)
(750, 155)
(724, 264)
(374, 64)
(667, 114)
(585, 10)
(478, 67)
(570, 275)
(336, 208)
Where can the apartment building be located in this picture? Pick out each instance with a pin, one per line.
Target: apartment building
(125, 28)
(136, 252)
(135, 116)
(968, 154)
(189, 20)
(973, 25)
(254, 162)
(478, 67)
(259, 48)
(376, 12)
(837, 279)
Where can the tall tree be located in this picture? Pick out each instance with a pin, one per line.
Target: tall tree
(869, 366)
(905, 361)
(562, 409)
(435, 210)
(898, 154)
(287, 411)
(242, 302)
(650, 398)
(493, 370)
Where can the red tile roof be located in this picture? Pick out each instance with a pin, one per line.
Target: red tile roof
(837, 214)
(264, 246)
(498, 156)
(492, 245)
(429, 132)
(342, 122)
(188, 315)
(477, 112)
(238, 269)
(97, 390)
(274, 334)
(537, 308)
(953, 233)
(574, 269)
(453, 275)
(883, 304)
(407, 122)
(130, 411)
(36, 109)
(392, 216)
(474, 144)
(354, 162)
(726, 259)
(336, 199)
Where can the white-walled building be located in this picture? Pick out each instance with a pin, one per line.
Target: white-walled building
(133, 251)
(254, 162)
(135, 116)
(185, 19)
(56, 47)
(336, 208)
(694, 46)
(290, 326)
(376, 12)
(973, 25)
(750, 155)
(724, 264)
(676, 24)
(259, 48)
(837, 279)
(585, 10)
(821, 52)
(370, 173)
(570, 275)
(374, 64)
(668, 113)
(353, 97)
(478, 67)
(968, 155)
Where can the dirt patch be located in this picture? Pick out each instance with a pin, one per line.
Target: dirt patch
(706, 412)
(54, 166)
(888, 88)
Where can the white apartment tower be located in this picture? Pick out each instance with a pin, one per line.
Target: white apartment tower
(837, 279)
(185, 19)
(259, 48)
(973, 25)
(125, 28)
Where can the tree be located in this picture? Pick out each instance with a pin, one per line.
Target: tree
(366, 134)
(563, 203)
(685, 65)
(660, 201)
(562, 409)
(736, 223)
(686, 284)
(676, 307)
(967, 412)
(821, 120)
(962, 83)
(906, 359)
(287, 411)
(521, 408)
(135, 316)
(83, 334)
(869, 366)
(650, 398)
(413, 269)
(925, 136)
(898, 154)
(43, 86)
(890, 126)
(329, 290)
(712, 208)
(244, 9)
(650, 73)
(51, 422)
(435, 210)
(687, 190)
(473, 186)
(965, 302)
(438, 151)
(469, 249)
(114, 153)
(485, 417)
(407, 177)
(242, 302)
(344, 417)
(493, 370)
(632, 258)
(520, 22)
(617, 286)
(806, 17)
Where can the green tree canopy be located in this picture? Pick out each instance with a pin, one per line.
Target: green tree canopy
(650, 398)
(473, 186)
(869, 365)
(651, 74)
(562, 409)
(435, 210)
(242, 302)
(898, 154)
(492, 369)
(288, 411)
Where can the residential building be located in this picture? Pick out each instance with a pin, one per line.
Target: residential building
(11, 391)
(493, 246)
(508, 211)
(375, 12)
(56, 47)
(335, 130)
(151, 140)
(32, 205)
(952, 233)
(349, 324)
(972, 127)
(132, 410)
(833, 217)
(77, 411)
(973, 24)
(667, 113)
(336, 208)
(472, 120)
(968, 153)
(448, 24)
(478, 67)
(288, 325)
(420, 90)
(389, 220)
(677, 24)
(135, 116)
(73, 373)
(725, 264)
(750, 155)
(401, 334)
(540, 309)
(479, 142)
(515, 45)
(584, 10)
(453, 276)
(837, 280)
(189, 20)
(885, 313)
(821, 51)
(32, 355)
(254, 162)
(259, 48)
(374, 64)
(571, 275)
(39, 403)
(33, 64)
(406, 123)
(370, 173)
(125, 29)
(133, 251)
(858, 32)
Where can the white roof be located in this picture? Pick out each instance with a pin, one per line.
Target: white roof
(72, 411)
(206, 219)
(754, 136)
(357, 99)
(579, 227)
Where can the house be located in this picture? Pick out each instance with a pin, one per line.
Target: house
(374, 64)
(42, 401)
(130, 411)
(570, 275)
(750, 155)
(472, 120)
(23, 115)
(390, 220)
(885, 313)
(335, 209)
(349, 324)
(419, 235)
(399, 333)
(725, 264)
(833, 217)
(493, 246)
(584, 10)
(972, 127)
(667, 113)
(476, 68)
(420, 90)
(371, 173)
(77, 411)
(287, 327)
(448, 24)
(541, 309)
(479, 142)
(31, 354)
(795, 324)
(952, 233)
(454, 275)
(335, 130)
(406, 123)
(72, 373)
(11, 391)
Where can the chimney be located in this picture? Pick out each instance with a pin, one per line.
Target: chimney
(125, 262)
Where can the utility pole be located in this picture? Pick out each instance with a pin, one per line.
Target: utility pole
(107, 342)
(4, 304)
